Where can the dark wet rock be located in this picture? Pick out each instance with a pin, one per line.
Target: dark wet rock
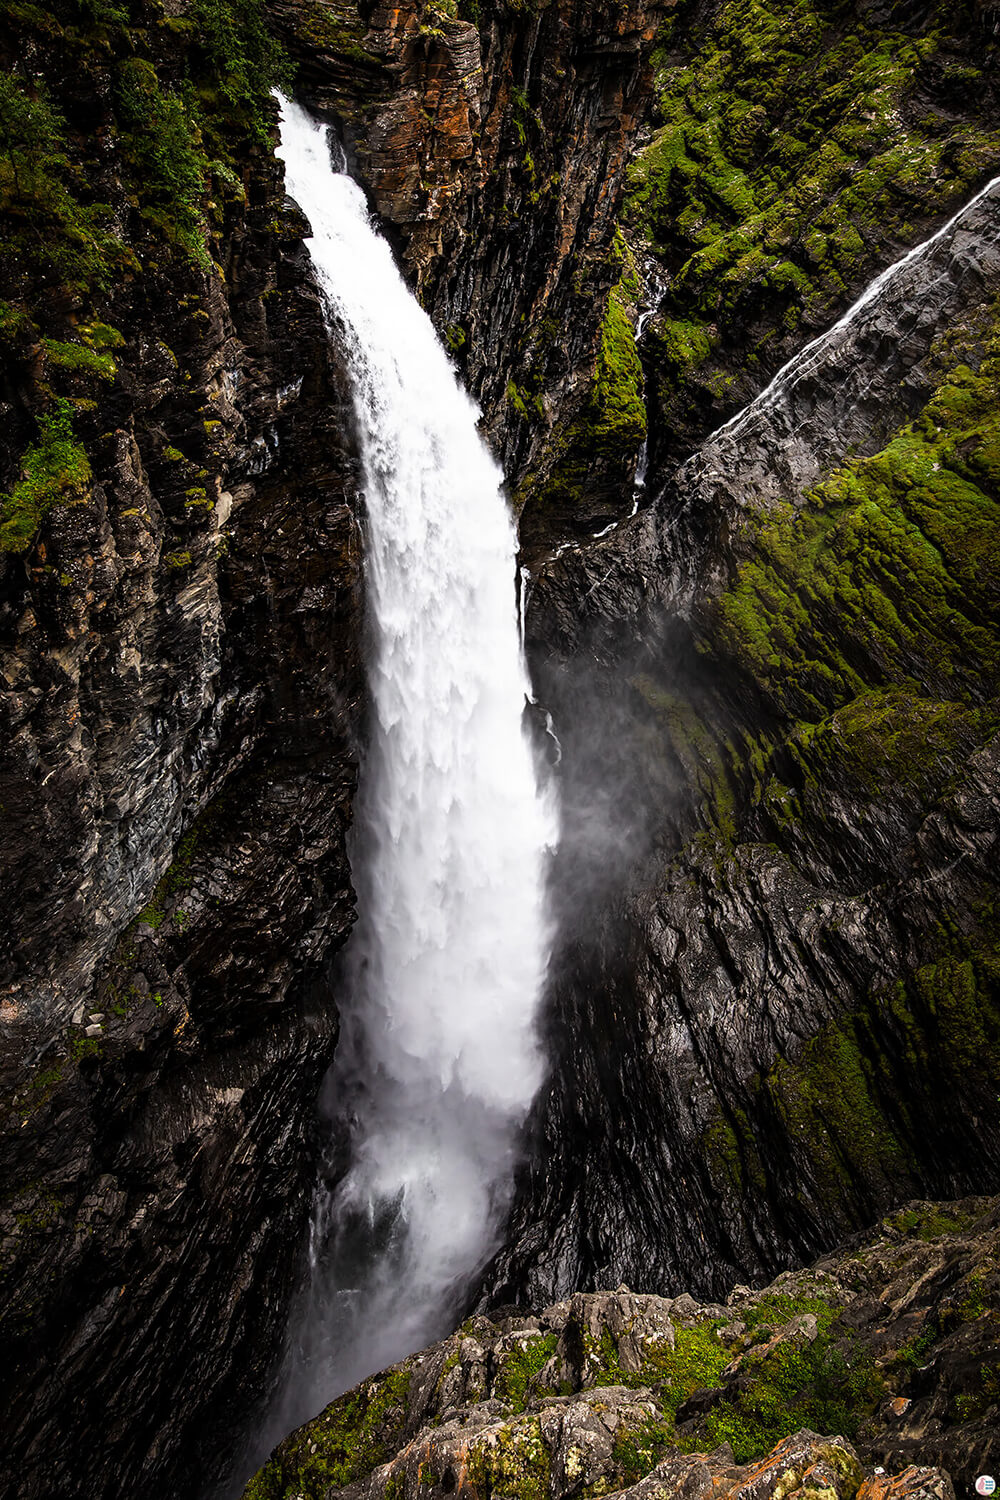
(180, 701)
(776, 879)
(495, 154)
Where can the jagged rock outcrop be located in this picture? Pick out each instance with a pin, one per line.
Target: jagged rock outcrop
(892, 1341)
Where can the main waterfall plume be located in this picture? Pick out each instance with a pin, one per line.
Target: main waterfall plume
(439, 1059)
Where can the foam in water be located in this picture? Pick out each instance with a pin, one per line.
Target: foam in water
(439, 1059)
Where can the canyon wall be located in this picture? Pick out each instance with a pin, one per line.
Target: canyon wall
(181, 627)
(774, 691)
(774, 1007)
(182, 624)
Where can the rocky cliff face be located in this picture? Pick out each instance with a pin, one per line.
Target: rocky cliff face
(180, 644)
(774, 691)
(493, 141)
(181, 623)
(777, 1009)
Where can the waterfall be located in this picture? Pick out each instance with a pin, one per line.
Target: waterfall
(439, 1058)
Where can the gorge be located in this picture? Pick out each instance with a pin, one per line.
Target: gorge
(440, 1060)
(766, 653)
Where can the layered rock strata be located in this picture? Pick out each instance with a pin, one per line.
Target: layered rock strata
(179, 633)
(493, 144)
(774, 692)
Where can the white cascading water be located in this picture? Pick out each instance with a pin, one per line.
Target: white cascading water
(439, 1059)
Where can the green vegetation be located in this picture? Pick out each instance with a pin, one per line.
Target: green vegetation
(187, 96)
(134, 170)
(179, 877)
(235, 55)
(55, 470)
(78, 359)
(797, 144)
(53, 231)
(337, 30)
(514, 1462)
(638, 1449)
(796, 1385)
(162, 145)
(826, 1384)
(845, 1094)
(354, 1434)
(888, 575)
(521, 1368)
(610, 426)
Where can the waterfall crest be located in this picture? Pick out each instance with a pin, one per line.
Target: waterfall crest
(439, 1059)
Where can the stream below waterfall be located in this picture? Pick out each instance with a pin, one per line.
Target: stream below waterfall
(439, 1057)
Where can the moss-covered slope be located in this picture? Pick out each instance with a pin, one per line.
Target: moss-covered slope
(798, 147)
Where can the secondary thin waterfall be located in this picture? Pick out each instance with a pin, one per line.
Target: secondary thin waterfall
(811, 356)
(439, 1059)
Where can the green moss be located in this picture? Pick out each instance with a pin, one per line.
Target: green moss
(179, 877)
(930, 1223)
(829, 1385)
(80, 1047)
(618, 414)
(694, 1361)
(639, 1448)
(98, 335)
(55, 470)
(513, 1462)
(842, 1100)
(788, 159)
(345, 1442)
(889, 569)
(337, 30)
(78, 359)
(46, 1212)
(610, 425)
(521, 1367)
(829, 1096)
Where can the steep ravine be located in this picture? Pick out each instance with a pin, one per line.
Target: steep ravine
(180, 641)
(776, 1011)
(181, 645)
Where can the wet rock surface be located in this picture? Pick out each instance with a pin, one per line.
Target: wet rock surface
(495, 154)
(767, 899)
(893, 1340)
(777, 1005)
(181, 689)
